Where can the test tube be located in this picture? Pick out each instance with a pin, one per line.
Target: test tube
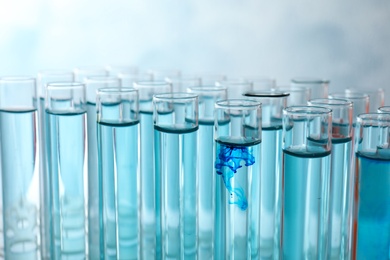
(176, 162)
(371, 222)
(19, 167)
(384, 109)
(180, 84)
(262, 83)
(318, 87)
(81, 73)
(377, 96)
(150, 181)
(237, 168)
(92, 85)
(115, 70)
(360, 100)
(236, 88)
(272, 105)
(128, 79)
(118, 153)
(66, 119)
(306, 180)
(341, 176)
(298, 95)
(207, 96)
(45, 77)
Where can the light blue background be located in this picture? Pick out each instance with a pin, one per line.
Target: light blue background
(345, 41)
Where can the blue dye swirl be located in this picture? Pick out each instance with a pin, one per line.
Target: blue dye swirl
(227, 163)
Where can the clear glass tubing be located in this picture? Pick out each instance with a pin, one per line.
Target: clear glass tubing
(175, 117)
(150, 182)
(341, 176)
(45, 77)
(384, 109)
(236, 87)
(82, 72)
(377, 96)
(318, 87)
(371, 219)
(298, 96)
(361, 102)
(272, 104)
(119, 168)
(306, 181)
(19, 168)
(207, 96)
(238, 170)
(66, 120)
(92, 85)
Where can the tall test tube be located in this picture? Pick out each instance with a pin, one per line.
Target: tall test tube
(150, 182)
(340, 209)
(272, 105)
(371, 222)
(175, 118)
(305, 179)
(237, 168)
(92, 85)
(45, 77)
(207, 96)
(65, 129)
(118, 154)
(19, 167)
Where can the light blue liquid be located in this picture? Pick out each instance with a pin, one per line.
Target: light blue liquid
(93, 183)
(372, 219)
(237, 165)
(340, 195)
(206, 190)
(150, 211)
(271, 188)
(66, 136)
(177, 163)
(20, 184)
(306, 179)
(119, 169)
(45, 214)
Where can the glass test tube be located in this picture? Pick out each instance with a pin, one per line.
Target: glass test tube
(377, 97)
(65, 117)
(236, 87)
(176, 162)
(298, 95)
(361, 102)
(341, 176)
(272, 105)
(19, 168)
(181, 84)
(45, 77)
(207, 96)
(118, 149)
(371, 222)
(128, 79)
(306, 179)
(237, 168)
(318, 87)
(81, 73)
(262, 83)
(150, 182)
(208, 78)
(384, 109)
(92, 85)
(163, 74)
(115, 71)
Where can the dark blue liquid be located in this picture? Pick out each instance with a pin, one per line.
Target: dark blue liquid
(227, 162)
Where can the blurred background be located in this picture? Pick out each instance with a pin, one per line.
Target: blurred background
(346, 41)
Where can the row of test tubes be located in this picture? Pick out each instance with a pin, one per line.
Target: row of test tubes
(128, 166)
